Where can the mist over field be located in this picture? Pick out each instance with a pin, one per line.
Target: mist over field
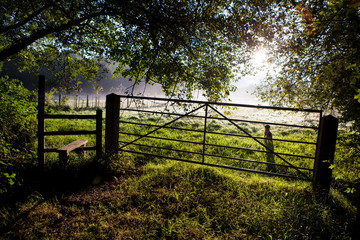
(108, 83)
(118, 85)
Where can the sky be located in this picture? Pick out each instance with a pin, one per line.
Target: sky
(246, 85)
(243, 94)
(245, 88)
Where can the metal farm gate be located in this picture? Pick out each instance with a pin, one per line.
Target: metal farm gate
(214, 134)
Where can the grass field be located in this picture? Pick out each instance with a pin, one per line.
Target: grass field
(170, 200)
(139, 197)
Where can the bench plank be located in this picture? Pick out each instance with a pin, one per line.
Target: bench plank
(73, 145)
(65, 150)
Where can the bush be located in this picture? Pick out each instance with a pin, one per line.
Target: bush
(17, 119)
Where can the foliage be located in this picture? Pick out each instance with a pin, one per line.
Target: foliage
(17, 119)
(7, 178)
(17, 129)
(346, 167)
(318, 57)
(187, 45)
(65, 70)
(183, 45)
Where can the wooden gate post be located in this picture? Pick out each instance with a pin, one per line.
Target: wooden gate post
(112, 123)
(325, 152)
(98, 133)
(41, 121)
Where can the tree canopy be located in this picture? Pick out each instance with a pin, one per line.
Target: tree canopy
(195, 44)
(317, 59)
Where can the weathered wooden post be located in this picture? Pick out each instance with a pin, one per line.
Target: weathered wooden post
(41, 121)
(98, 133)
(112, 123)
(325, 152)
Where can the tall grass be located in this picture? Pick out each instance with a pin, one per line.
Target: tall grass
(138, 197)
(180, 201)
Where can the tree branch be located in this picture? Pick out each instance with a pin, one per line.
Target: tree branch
(26, 20)
(15, 48)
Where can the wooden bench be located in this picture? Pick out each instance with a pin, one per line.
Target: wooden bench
(65, 150)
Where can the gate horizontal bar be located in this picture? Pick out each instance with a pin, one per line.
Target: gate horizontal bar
(218, 156)
(161, 138)
(274, 139)
(219, 133)
(222, 104)
(259, 150)
(162, 148)
(85, 148)
(154, 125)
(216, 118)
(81, 132)
(69, 116)
(254, 161)
(217, 165)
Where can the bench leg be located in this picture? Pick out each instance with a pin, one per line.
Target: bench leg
(64, 157)
(83, 151)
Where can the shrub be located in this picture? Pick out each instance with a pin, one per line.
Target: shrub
(17, 119)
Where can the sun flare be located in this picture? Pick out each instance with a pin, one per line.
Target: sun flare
(259, 57)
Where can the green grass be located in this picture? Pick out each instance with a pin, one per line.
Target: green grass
(139, 197)
(182, 201)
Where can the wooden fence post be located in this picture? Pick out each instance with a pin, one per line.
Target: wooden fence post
(41, 121)
(112, 123)
(325, 152)
(98, 133)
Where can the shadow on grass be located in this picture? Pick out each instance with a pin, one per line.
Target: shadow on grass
(49, 181)
(30, 182)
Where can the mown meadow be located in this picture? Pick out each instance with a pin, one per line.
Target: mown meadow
(134, 196)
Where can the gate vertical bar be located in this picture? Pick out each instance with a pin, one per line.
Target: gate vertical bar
(204, 139)
(112, 123)
(325, 153)
(41, 121)
(98, 133)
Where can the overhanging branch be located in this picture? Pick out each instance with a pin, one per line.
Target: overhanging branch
(17, 47)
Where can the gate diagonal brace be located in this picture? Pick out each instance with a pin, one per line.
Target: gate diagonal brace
(166, 124)
(268, 149)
